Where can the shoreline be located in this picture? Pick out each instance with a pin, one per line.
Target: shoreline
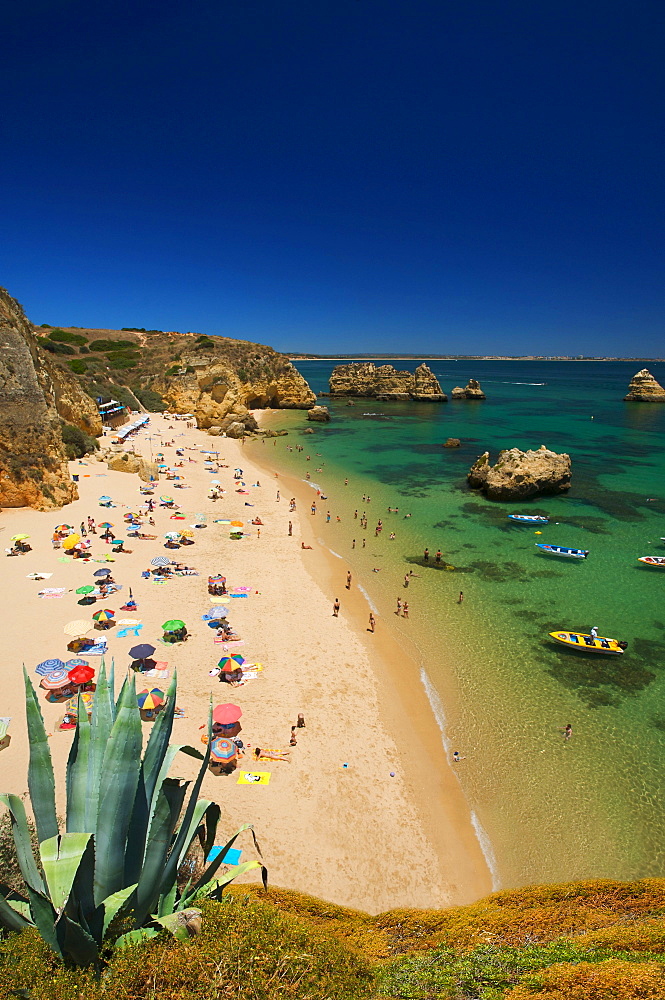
(337, 833)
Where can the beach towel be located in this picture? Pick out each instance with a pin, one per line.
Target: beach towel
(99, 649)
(39, 576)
(237, 595)
(254, 778)
(232, 856)
(52, 592)
(162, 674)
(133, 629)
(228, 642)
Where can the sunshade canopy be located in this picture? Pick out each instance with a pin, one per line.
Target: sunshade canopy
(226, 715)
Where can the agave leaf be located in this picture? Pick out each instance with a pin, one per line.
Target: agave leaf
(81, 906)
(111, 689)
(120, 776)
(214, 887)
(212, 814)
(21, 834)
(172, 922)
(169, 804)
(167, 902)
(102, 721)
(61, 857)
(137, 834)
(136, 937)
(14, 918)
(114, 904)
(75, 942)
(169, 757)
(41, 782)
(209, 872)
(45, 917)
(158, 742)
(78, 792)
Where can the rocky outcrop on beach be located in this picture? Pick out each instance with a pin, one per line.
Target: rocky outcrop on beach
(471, 390)
(127, 461)
(33, 462)
(520, 474)
(644, 388)
(319, 413)
(386, 382)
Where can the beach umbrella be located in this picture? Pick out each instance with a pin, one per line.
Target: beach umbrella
(76, 661)
(217, 600)
(214, 614)
(63, 527)
(71, 540)
(142, 651)
(177, 517)
(186, 533)
(228, 663)
(218, 578)
(236, 524)
(226, 715)
(160, 561)
(88, 589)
(104, 616)
(102, 572)
(77, 628)
(48, 665)
(87, 698)
(172, 535)
(54, 680)
(105, 524)
(173, 625)
(81, 675)
(118, 541)
(222, 749)
(19, 538)
(166, 499)
(150, 699)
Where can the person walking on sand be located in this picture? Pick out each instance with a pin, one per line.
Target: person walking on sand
(372, 622)
(353, 544)
(348, 579)
(293, 741)
(336, 607)
(277, 500)
(399, 606)
(405, 610)
(407, 579)
(290, 528)
(313, 508)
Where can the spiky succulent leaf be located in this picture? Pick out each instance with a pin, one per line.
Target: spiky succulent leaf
(78, 793)
(115, 903)
(61, 857)
(41, 782)
(16, 917)
(137, 936)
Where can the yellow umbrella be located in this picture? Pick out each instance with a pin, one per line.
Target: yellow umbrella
(187, 534)
(77, 628)
(19, 538)
(236, 524)
(70, 541)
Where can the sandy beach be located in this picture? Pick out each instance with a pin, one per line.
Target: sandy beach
(368, 812)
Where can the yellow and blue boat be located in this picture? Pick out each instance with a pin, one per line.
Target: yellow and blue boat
(590, 644)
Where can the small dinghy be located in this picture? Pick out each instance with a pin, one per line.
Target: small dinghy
(653, 561)
(589, 643)
(529, 518)
(561, 550)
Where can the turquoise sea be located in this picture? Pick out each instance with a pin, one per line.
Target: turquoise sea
(545, 809)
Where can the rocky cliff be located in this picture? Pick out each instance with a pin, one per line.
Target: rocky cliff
(643, 388)
(220, 393)
(385, 382)
(519, 474)
(471, 390)
(33, 465)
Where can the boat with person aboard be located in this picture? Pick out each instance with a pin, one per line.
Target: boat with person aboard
(529, 518)
(590, 643)
(561, 550)
(658, 561)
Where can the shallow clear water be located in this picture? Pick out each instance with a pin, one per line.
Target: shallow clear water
(552, 809)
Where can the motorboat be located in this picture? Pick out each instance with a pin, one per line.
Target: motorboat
(529, 518)
(561, 550)
(589, 643)
(658, 561)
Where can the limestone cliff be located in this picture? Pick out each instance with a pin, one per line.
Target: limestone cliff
(519, 474)
(385, 382)
(33, 465)
(471, 390)
(219, 392)
(644, 388)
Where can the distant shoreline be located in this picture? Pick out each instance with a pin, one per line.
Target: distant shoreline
(455, 357)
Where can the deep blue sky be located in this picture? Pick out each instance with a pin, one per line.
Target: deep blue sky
(340, 175)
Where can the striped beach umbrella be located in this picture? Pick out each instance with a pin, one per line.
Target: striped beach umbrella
(160, 561)
(49, 665)
(105, 524)
(228, 663)
(54, 680)
(104, 616)
(76, 661)
(148, 700)
(222, 749)
(166, 499)
(77, 628)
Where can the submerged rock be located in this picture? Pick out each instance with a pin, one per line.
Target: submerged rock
(519, 474)
(319, 413)
(452, 443)
(471, 390)
(644, 388)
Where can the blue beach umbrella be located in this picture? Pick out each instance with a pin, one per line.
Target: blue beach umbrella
(76, 662)
(160, 561)
(142, 650)
(102, 572)
(49, 665)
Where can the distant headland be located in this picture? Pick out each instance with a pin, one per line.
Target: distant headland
(295, 356)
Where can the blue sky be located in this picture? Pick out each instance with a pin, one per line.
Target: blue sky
(340, 175)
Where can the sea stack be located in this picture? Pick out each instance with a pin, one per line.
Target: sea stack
(644, 388)
(319, 413)
(519, 474)
(386, 382)
(471, 390)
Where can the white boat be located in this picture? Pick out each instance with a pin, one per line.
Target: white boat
(561, 550)
(658, 561)
(529, 518)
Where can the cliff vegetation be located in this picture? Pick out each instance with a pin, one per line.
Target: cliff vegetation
(597, 940)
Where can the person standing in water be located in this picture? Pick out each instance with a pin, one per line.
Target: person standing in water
(372, 622)
(348, 579)
(336, 606)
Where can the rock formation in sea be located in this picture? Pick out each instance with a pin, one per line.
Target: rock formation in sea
(220, 392)
(319, 413)
(452, 443)
(471, 390)
(520, 474)
(644, 388)
(385, 382)
(35, 394)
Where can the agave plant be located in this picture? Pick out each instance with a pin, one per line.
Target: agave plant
(111, 877)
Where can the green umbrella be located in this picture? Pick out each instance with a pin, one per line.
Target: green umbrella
(85, 590)
(173, 625)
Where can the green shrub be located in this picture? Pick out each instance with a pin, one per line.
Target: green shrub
(78, 367)
(173, 370)
(55, 348)
(77, 442)
(65, 337)
(111, 345)
(151, 400)
(120, 362)
(84, 350)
